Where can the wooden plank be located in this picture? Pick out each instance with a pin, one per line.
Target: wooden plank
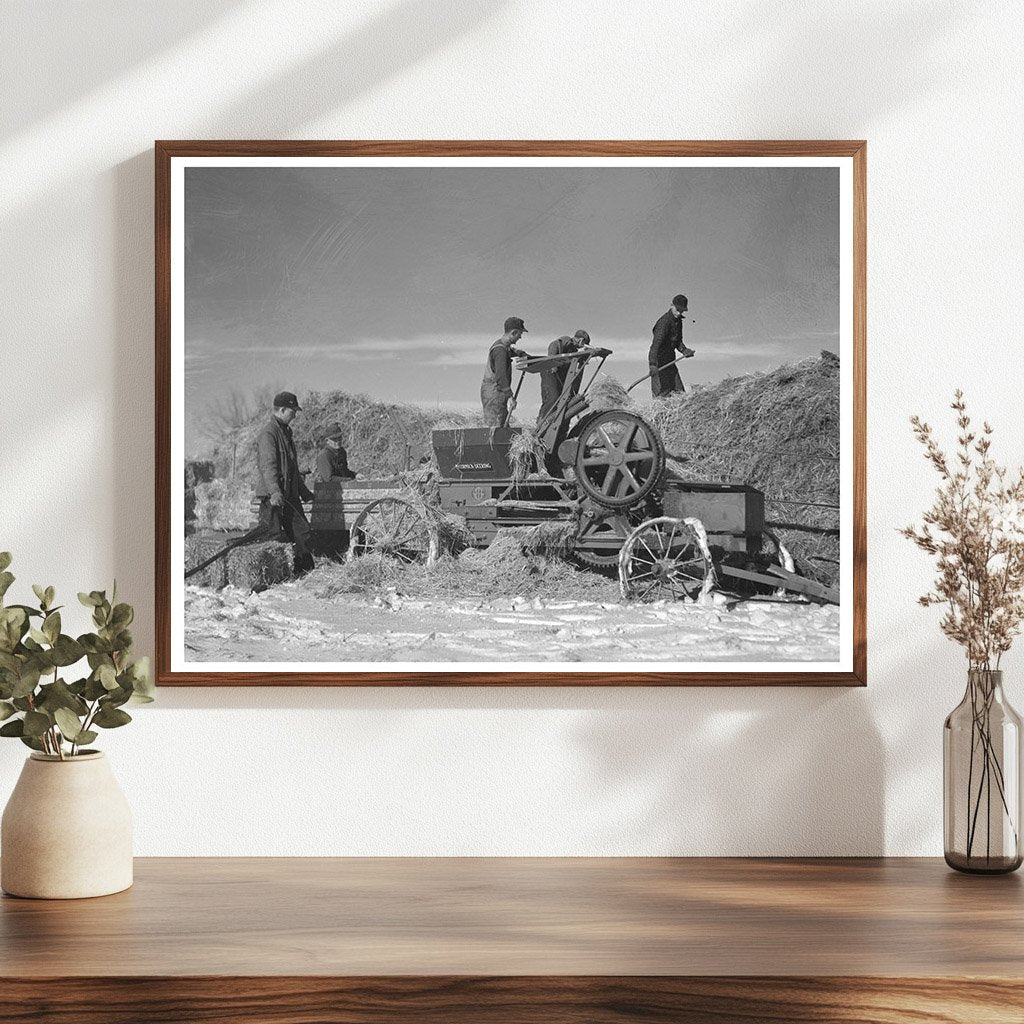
(511, 1000)
(775, 576)
(501, 940)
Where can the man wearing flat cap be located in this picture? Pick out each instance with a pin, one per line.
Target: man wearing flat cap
(496, 388)
(552, 381)
(279, 484)
(332, 462)
(666, 343)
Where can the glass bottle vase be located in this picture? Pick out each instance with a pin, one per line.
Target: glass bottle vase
(981, 773)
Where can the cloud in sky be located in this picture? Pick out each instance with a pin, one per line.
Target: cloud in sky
(394, 282)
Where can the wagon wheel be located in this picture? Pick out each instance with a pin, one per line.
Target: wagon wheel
(610, 529)
(620, 458)
(663, 559)
(397, 528)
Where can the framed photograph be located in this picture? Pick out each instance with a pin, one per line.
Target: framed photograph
(510, 413)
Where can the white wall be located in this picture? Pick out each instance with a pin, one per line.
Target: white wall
(937, 90)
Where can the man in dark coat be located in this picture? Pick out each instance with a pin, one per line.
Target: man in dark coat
(496, 388)
(552, 381)
(332, 462)
(279, 484)
(666, 343)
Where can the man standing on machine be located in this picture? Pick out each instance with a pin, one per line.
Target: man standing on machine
(666, 343)
(496, 388)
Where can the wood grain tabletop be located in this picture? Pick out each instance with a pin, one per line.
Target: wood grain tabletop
(530, 916)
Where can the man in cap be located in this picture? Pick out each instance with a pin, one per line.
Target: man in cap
(279, 484)
(552, 381)
(496, 387)
(332, 462)
(667, 341)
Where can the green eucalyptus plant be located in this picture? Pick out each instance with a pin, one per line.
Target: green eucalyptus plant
(57, 717)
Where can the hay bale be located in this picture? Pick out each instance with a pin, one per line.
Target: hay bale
(454, 536)
(199, 547)
(370, 575)
(608, 393)
(777, 431)
(525, 454)
(258, 566)
(224, 505)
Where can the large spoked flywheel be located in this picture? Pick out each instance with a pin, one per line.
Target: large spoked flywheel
(620, 458)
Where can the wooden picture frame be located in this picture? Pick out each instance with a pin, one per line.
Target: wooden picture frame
(847, 158)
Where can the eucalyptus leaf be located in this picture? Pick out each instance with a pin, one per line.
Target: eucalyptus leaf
(5, 559)
(69, 724)
(59, 695)
(94, 689)
(89, 600)
(40, 592)
(51, 626)
(6, 710)
(6, 579)
(107, 676)
(27, 681)
(39, 636)
(115, 698)
(66, 650)
(142, 678)
(109, 718)
(31, 741)
(13, 728)
(94, 644)
(36, 723)
(122, 616)
(12, 627)
(50, 595)
(86, 736)
(29, 611)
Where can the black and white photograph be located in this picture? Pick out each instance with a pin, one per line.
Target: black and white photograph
(539, 415)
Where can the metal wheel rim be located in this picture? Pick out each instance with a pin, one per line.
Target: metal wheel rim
(396, 528)
(662, 560)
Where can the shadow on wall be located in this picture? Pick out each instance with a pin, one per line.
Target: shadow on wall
(393, 40)
(738, 771)
(693, 771)
(848, 45)
(672, 767)
(48, 63)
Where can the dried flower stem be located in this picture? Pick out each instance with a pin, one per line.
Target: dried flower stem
(975, 531)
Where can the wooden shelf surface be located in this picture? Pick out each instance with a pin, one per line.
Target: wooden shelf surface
(379, 934)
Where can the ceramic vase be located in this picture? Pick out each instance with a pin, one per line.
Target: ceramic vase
(66, 831)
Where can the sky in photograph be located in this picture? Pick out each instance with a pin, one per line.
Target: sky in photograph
(394, 282)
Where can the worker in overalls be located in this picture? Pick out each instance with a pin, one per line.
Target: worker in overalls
(496, 388)
(552, 381)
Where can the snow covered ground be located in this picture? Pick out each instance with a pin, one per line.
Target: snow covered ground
(287, 624)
